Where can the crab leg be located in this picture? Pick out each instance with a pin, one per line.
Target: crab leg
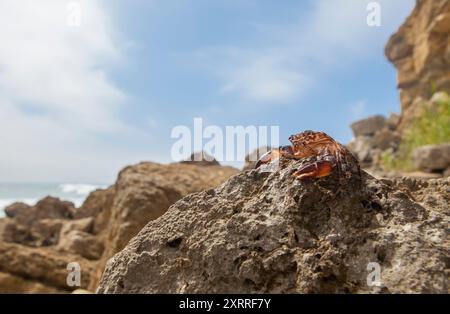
(318, 169)
(268, 158)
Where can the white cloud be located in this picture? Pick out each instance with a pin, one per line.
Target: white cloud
(265, 79)
(333, 33)
(51, 67)
(57, 104)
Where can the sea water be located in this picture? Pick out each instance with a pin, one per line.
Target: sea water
(30, 193)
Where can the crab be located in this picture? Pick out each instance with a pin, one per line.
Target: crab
(329, 155)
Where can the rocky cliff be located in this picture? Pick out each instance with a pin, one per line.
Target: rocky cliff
(271, 233)
(420, 50)
(38, 242)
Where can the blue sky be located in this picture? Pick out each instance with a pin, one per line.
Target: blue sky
(79, 103)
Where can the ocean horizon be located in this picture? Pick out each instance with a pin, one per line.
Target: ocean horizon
(31, 193)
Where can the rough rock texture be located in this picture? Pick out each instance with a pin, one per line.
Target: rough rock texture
(432, 157)
(16, 208)
(420, 50)
(372, 136)
(39, 267)
(368, 126)
(37, 225)
(143, 193)
(268, 232)
(37, 242)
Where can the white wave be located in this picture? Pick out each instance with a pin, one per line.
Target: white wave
(79, 188)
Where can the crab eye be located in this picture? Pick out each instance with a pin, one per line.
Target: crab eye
(286, 150)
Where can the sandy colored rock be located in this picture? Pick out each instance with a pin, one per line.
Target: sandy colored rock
(420, 50)
(385, 139)
(41, 265)
(15, 284)
(446, 173)
(432, 157)
(144, 192)
(54, 233)
(270, 233)
(47, 208)
(96, 202)
(13, 209)
(368, 126)
(81, 243)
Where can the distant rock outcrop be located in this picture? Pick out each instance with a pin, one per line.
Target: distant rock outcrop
(143, 193)
(38, 242)
(372, 136)
(420, 50)
(271, 233)
(201, 159)
(432, 158)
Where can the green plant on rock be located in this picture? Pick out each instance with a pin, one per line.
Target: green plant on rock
(432, 127)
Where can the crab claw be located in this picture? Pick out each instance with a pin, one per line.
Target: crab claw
(268, 157)
(318, 169)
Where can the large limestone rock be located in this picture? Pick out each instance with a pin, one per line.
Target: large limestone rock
(143, 193)
(268, 232)
(37, 242)
(43, 269)
(420, 50)
(432, 157)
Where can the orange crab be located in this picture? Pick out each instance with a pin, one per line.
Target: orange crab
(329, 155)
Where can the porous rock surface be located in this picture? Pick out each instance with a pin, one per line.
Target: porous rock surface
(266, 232)
(38, 242)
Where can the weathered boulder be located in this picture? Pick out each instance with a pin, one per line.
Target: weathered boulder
(55, 230)
(144, 192)
(385, 139)
(432, 157)
(420, 50)
(96, 202)
(368, 126)
(10, 283)
(15, 208)
(44, 266)
(49, 207)
(37, 225)
(268, 232)
(81, 243)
